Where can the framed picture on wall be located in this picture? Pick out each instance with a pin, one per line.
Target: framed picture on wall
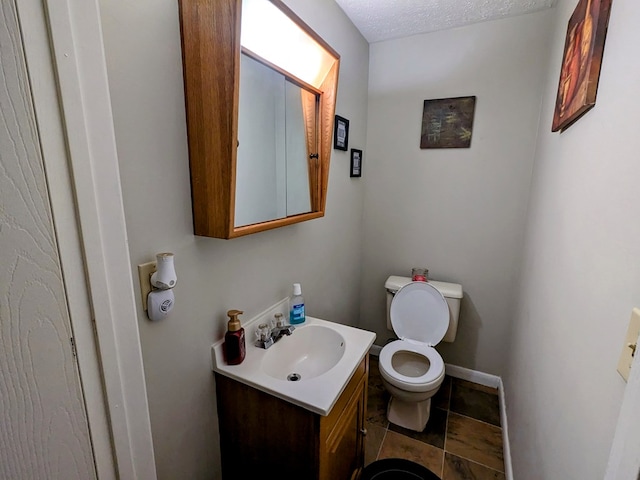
(581, 62)
(356, 162)
(447, 122)
(340, 133)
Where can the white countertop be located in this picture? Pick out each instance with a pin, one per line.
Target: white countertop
(317, 394)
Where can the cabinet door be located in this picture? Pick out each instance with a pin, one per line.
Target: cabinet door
(344, 446)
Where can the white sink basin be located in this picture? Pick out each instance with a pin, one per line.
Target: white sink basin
(305, 354)
(324, 355)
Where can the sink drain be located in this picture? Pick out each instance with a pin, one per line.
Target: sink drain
(294, 377)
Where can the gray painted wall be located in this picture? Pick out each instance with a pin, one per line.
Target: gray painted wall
(580, 272)
(142, 42)
(459, 212)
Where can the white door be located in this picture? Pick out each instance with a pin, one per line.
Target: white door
(44, 432)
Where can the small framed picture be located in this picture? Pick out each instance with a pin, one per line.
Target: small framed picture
(356, 162)
(340, 133)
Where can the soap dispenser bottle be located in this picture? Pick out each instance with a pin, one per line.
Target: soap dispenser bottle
(234, 344)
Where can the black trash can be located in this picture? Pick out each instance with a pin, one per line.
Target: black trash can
(397, 469)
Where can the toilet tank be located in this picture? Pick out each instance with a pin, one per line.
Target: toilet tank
(452, 293)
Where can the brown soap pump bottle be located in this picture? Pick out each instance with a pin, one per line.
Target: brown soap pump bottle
(234, 345)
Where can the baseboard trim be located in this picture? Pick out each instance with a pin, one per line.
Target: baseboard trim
(506, 446)
(487, 380)
(474, 376)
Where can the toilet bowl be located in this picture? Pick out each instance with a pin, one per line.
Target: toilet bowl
(411, 368)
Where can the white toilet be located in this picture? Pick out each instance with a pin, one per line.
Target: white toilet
(422, 314)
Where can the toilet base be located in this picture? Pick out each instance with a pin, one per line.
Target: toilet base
(411, 415)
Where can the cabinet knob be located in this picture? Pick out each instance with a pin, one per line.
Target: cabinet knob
(363, 431)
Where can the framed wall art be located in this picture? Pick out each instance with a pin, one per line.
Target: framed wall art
(340, 133)
(581, 62)
(356, 163)
(447, 122)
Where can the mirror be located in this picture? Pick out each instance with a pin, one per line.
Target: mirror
(272, 172)
(260, 108)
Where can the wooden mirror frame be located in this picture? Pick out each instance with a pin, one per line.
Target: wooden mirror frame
(210, 31)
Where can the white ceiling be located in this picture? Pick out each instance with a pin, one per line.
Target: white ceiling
(380, 20)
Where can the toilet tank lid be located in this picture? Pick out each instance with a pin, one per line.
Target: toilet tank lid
(448, 290)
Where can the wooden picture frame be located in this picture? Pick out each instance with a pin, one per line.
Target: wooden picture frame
(581, 62)
(340, 133)
(356, 163)
(447, 122)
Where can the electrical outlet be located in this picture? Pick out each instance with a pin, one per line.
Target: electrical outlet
(145, 271)
(630, 343)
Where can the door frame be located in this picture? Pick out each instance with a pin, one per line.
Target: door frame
(67, 71)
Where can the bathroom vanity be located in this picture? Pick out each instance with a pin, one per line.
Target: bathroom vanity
(263, 435)
(297, 409)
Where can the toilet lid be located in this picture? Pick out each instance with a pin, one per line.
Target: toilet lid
(419, 313)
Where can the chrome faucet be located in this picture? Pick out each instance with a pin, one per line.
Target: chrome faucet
(267, 335)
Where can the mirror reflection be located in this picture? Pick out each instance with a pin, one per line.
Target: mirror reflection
(277, 135)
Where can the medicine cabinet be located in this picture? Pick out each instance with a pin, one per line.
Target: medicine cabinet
(260, 93)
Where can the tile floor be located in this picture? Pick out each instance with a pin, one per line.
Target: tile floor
(462, 440)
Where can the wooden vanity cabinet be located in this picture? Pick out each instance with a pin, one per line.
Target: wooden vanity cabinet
(263, 435)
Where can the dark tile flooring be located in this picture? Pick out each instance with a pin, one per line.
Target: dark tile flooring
(462, 439)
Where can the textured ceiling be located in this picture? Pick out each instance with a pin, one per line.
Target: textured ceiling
(380, 20)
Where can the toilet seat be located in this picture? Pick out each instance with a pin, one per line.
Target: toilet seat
(420, 317)
(419, 313)
(422, 383)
